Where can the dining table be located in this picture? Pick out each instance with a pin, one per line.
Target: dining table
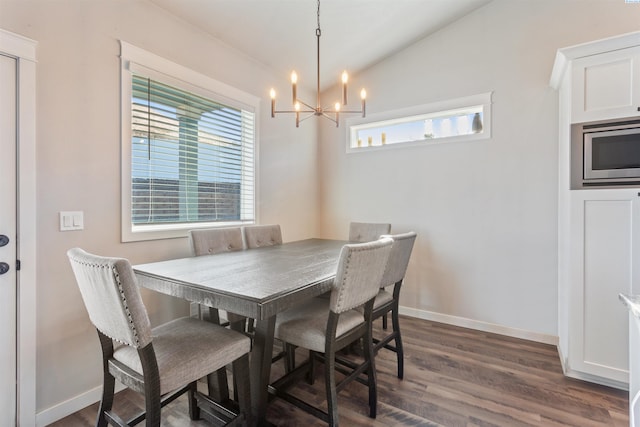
(256, 283)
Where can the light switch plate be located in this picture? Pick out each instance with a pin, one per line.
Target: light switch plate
(71, 220)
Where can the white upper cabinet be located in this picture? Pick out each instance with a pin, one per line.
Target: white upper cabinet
(606, 86)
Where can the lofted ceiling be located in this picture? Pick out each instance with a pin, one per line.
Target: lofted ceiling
(355, 33)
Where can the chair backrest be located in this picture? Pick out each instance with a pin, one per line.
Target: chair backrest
(399, 258)
(257, 236)
(360, 270)
(111, 297)
(367, 231)
(211, 241)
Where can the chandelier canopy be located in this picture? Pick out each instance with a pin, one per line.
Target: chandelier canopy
(332, 113)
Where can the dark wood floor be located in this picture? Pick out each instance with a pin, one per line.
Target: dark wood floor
(453, 377)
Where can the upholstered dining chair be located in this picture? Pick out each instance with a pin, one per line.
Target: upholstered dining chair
(387, 302)
(367, 231)
(257, 236)
(210, 241)
(161, 362)
(324, 326)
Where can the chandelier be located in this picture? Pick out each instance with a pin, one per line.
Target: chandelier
(301, 107)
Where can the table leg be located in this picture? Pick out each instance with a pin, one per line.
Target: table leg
(261, 367)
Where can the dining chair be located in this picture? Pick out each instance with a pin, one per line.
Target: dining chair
(210, 241)
(387, 302)
(367, 231)
(257, 236)
(162, 362)
(324, 326)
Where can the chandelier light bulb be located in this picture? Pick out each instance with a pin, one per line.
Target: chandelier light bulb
(272, 92)
(363, 94)
(294, 86)
(345, 78)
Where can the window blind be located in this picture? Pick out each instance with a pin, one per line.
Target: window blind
(192, 158)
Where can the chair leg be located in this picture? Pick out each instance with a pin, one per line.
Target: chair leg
(290, 357)
(241, 382)
(194, 410)
(108, 381)
(152, 400)
(152, 407)
(384, 322)
(106, 403)
(369, 359)
(311, 373)
(330, 385)
(399, 349)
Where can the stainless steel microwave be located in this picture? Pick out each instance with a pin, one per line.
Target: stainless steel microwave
(611, 150)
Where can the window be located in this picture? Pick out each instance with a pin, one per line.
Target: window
(455, 120)
(188, 150)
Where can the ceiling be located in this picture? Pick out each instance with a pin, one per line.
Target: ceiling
(355, 33)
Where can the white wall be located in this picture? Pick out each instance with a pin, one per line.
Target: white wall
(78, 165)
(485, 211)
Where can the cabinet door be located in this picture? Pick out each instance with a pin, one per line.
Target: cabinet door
(605, 262)
(606, 86)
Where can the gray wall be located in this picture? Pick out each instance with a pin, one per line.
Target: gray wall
(78, 164)
(485, 211)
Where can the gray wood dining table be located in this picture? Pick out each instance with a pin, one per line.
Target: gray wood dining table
(256, 283)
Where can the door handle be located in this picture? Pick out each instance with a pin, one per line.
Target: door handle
(3, 240)
(4, 267)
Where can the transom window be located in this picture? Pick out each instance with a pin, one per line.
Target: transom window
(189, 158)
(454, 120)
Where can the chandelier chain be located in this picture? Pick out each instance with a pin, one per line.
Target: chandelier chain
(318, 31)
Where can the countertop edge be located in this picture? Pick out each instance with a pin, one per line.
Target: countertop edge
(632, 302)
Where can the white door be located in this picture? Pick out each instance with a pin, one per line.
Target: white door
(8, 248)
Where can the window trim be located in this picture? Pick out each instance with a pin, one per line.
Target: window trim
(483, 99)
(132, 59)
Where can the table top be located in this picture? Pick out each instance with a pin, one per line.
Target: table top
(256, 283)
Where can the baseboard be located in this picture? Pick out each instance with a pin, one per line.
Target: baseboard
(596, 379)
(480, 326)
(68, 407)
(568, 372)
(564, 362)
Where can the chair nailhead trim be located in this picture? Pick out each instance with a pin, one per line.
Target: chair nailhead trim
(124, 300)
(126, 306)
